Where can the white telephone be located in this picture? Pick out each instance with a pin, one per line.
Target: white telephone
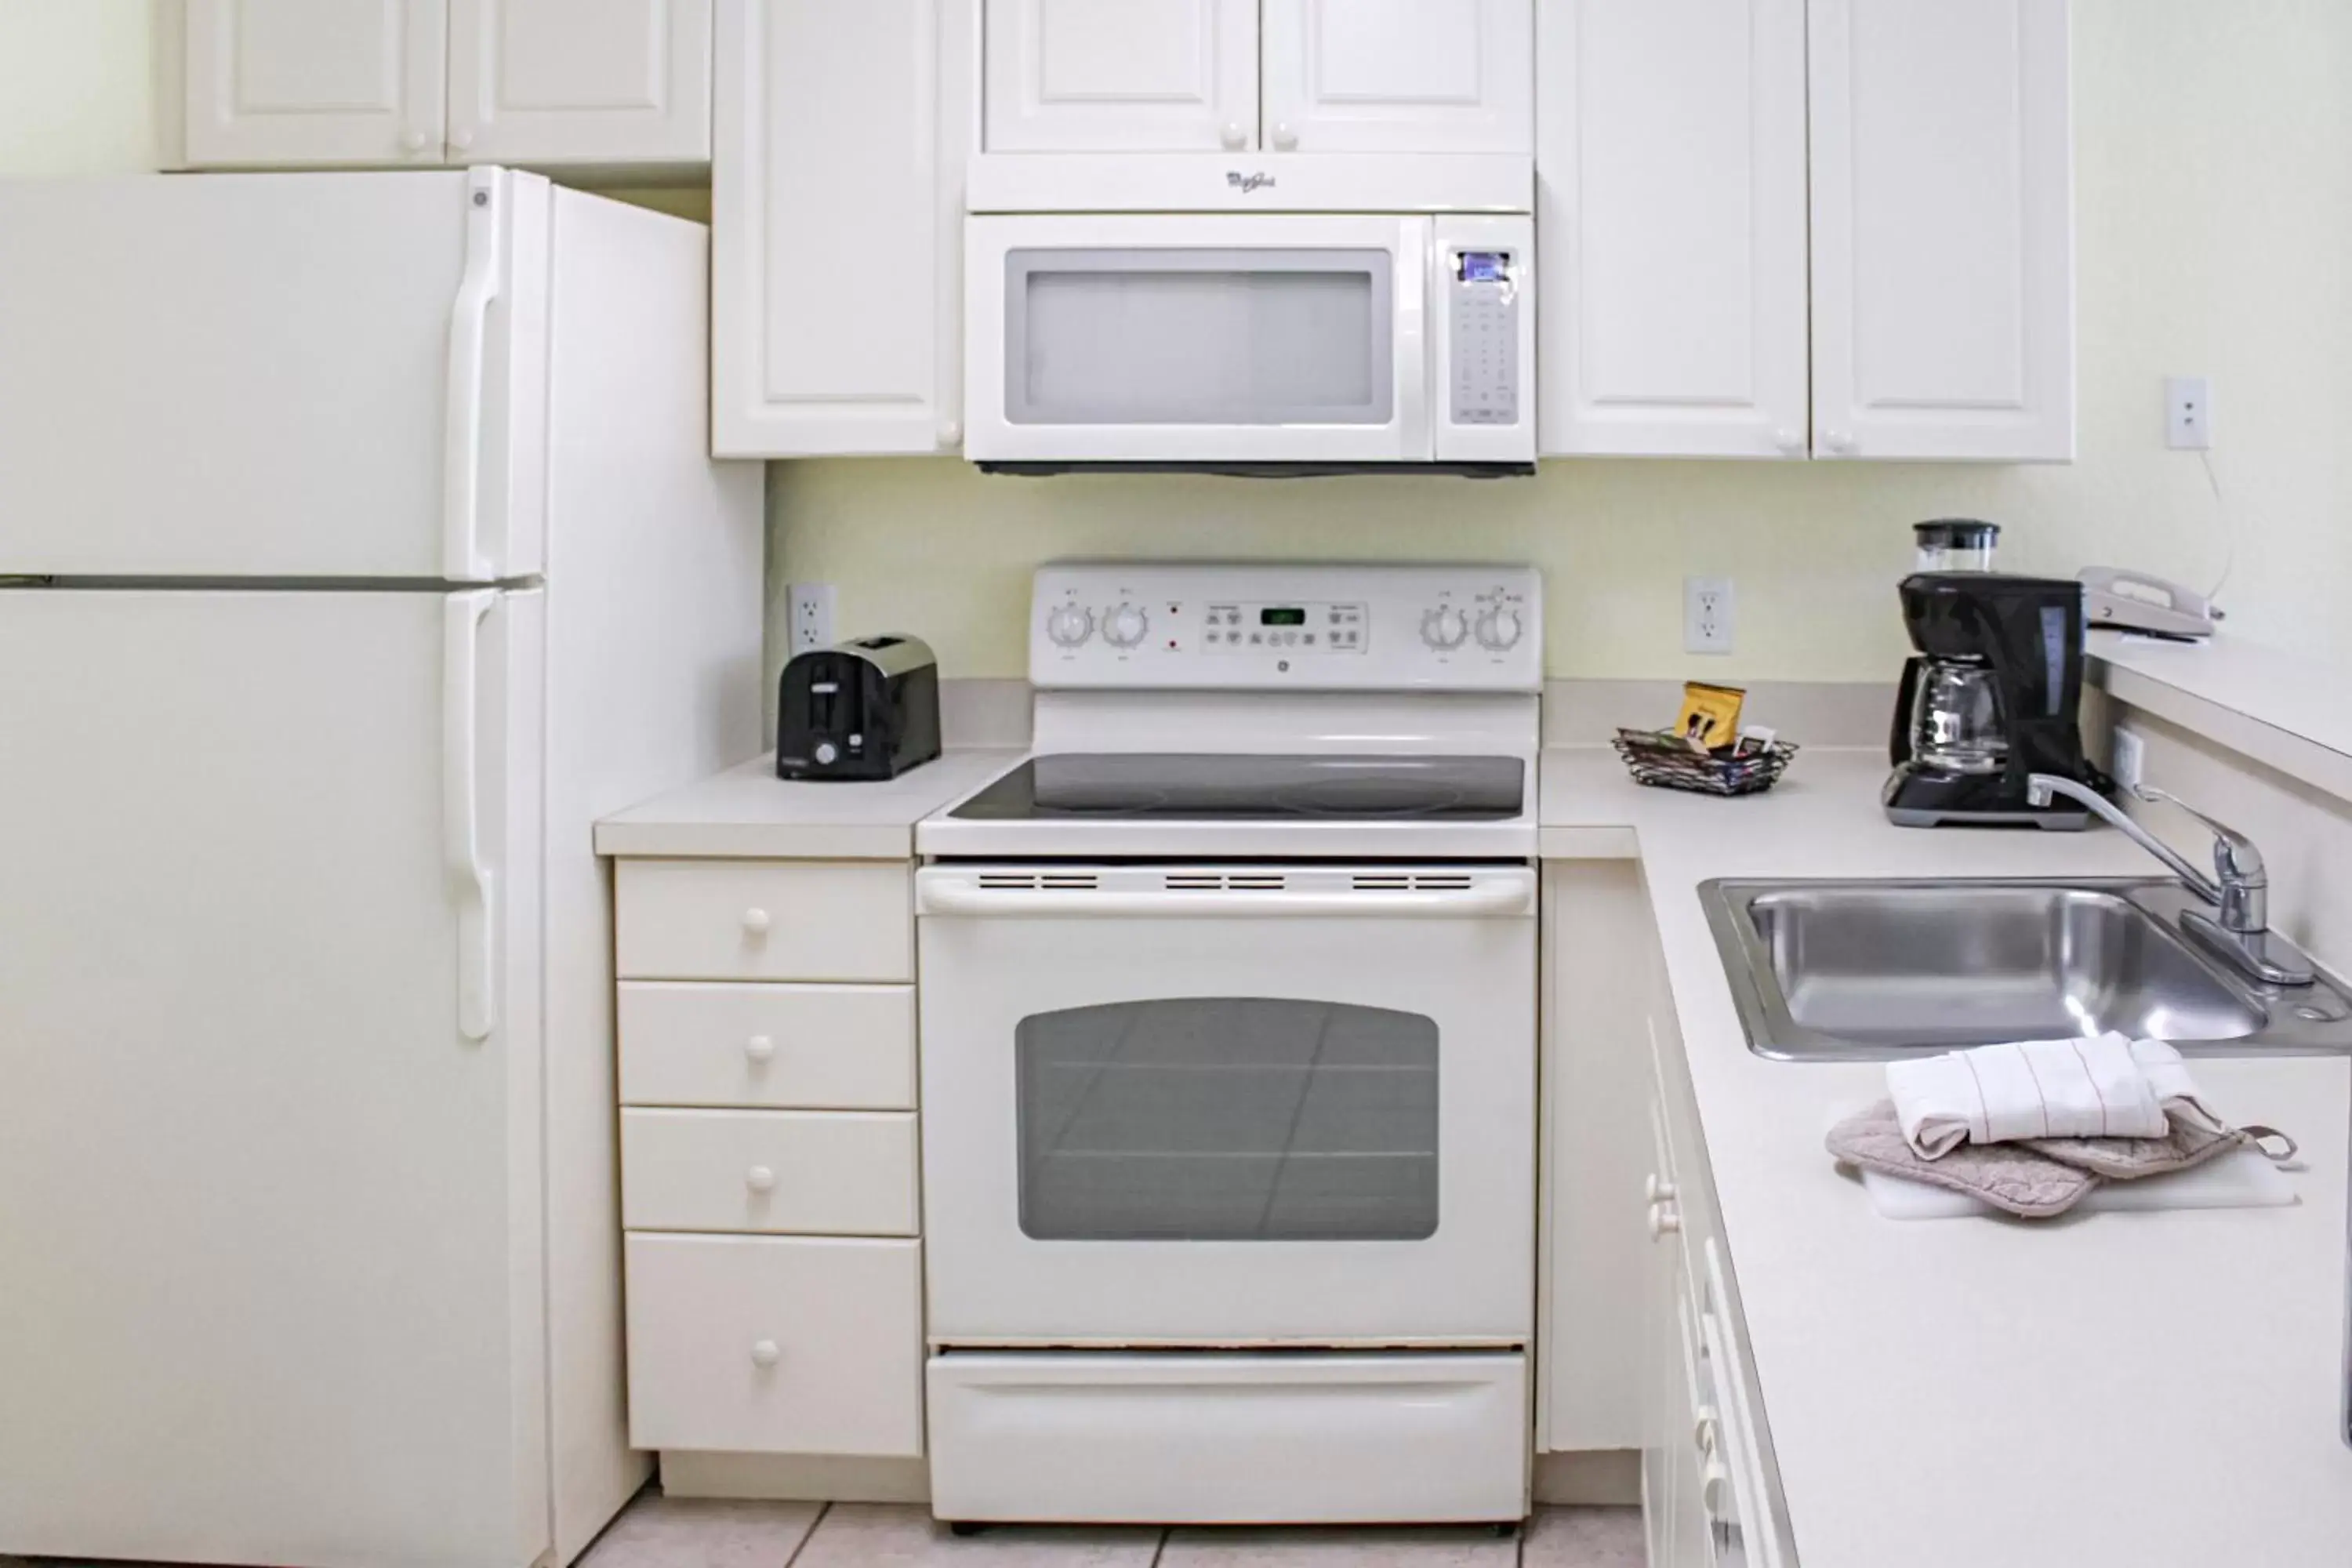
(2120, 599)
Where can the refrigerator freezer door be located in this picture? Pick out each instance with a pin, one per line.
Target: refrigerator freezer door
(272, 1219)
(273, 375)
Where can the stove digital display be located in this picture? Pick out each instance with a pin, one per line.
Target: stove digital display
(1282, 617)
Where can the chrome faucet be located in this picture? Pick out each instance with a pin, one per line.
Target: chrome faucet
(2239, 889)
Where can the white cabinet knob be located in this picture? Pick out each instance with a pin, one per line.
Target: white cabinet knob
(461, 140)
(759, 1050)
(1664, 1220)
(1659, 1190)
(766, 1353)
(950, 436)
(1788, 441)
(755, 922)
(414, 142)
(760, 1179)
(1233, 136)
(1703, 1429)
(1838, 440)
(1286, 136)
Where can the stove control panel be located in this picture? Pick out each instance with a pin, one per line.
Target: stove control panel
(1224, 626)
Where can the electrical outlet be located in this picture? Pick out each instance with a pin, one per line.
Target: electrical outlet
(2130, 753)
(2188, 412)
(1706, 614)
(809, 618)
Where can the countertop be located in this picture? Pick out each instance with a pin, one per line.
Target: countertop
(2133, 1390)
(748, 812)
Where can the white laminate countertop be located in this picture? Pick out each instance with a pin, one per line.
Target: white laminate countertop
(2110, 1391)
(749, 812)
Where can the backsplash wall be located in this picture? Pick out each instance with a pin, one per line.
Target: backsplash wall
(2213, 212)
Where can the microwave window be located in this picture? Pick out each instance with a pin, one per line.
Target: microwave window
(1175, 337)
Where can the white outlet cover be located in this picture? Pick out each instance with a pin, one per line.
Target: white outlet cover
(1708, 615)
(809, 615)
(2130, 757)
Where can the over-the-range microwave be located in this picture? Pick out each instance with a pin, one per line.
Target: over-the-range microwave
(1254, 337)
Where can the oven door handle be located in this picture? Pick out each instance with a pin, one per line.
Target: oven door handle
(962, 899)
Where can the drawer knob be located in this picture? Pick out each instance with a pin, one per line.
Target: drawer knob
(759, 1050)
(1664, 1220)
(1660, 1190)
(766, 1353)
(755, 922)
(760, 1179)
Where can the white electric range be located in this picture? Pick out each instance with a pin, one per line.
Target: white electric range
(1229, 1056)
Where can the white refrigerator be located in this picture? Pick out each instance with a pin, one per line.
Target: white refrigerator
(359, 547)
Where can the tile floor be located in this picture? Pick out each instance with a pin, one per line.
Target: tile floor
(656, 1532)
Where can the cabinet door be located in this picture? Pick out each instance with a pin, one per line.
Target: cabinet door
(298, 82)
(1943, 230)
(557, 81)
(837, 216)
(1671, 178)
(1663, 1403)
(1400, 75)
(1118, 76)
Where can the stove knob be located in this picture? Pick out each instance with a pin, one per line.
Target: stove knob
(1069, 626)
(1125, 627)
(1444, 628)
(1498, 629)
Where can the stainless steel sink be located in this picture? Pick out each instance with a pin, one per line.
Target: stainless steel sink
(1873, 971)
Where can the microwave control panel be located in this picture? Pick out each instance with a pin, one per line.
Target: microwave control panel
(1183, 626)
(1482, 319)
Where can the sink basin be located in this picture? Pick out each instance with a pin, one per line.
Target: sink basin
(1873, 971)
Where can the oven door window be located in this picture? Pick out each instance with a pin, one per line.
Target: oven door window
(1198, 337)
(1228, 1119)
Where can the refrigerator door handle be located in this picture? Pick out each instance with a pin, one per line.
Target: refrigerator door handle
(461, 442)
(470, 877)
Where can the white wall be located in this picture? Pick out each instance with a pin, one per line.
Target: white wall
(75, 94)
(2214, 180)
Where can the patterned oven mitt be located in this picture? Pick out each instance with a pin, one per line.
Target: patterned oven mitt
(2010, 1176)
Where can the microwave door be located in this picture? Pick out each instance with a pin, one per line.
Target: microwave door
(1199, 339)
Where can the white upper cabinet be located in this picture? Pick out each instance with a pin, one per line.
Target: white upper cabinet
(1942, 230)
(1398, 75)
(1672, 208)
(580, 81)
(1121, 76)
(314, 82)
(318, 84)
(836, 225)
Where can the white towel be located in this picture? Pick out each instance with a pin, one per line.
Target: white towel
(2167, 1077)
(2038, 1089)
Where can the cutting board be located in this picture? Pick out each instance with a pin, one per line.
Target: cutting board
(2241, 1179)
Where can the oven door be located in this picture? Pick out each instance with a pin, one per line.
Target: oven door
(1228, 1105)
(1165, 339)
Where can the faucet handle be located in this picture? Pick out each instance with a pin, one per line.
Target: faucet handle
(2234, 855)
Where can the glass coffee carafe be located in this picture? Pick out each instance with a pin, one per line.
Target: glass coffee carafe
(1956, 718)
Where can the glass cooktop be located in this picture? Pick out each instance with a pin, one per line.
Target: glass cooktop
(1087, 785)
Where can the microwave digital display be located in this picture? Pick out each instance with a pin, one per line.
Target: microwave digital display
(1282, 618)
(1485, 267)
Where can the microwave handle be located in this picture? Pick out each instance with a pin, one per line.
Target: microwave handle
(1416, 370)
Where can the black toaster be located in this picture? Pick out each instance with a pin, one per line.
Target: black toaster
(862, 710)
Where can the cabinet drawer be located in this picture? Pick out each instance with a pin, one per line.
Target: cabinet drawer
(827, 1173)
(748, 1344)
(765, 920)
(816, 1048)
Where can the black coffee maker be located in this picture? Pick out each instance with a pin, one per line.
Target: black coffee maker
(1995, 695)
